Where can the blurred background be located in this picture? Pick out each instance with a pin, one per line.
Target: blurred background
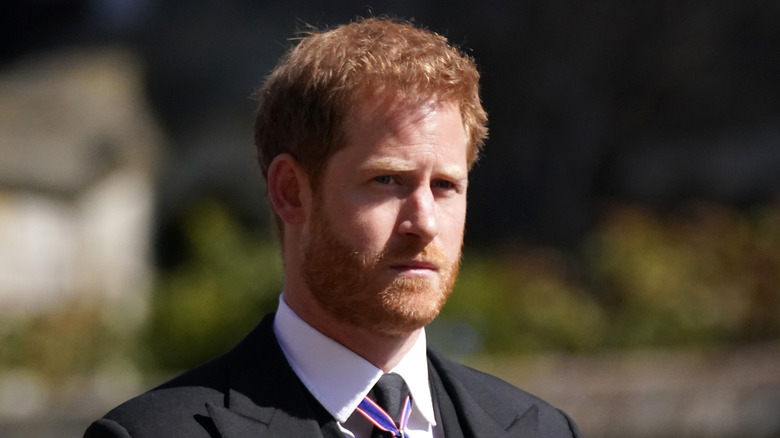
(622, 258)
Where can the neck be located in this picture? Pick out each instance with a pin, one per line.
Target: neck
(382, 351)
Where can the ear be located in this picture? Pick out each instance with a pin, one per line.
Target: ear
(288, 189)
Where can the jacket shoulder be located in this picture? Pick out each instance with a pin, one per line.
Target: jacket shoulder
(502, 400)
(176, 408)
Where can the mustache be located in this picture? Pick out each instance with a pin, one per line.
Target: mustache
(415, 252)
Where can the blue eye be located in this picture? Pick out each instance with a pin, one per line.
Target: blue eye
(384, 179)
(443, 184)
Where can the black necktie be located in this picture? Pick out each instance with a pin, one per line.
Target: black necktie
(390, 393)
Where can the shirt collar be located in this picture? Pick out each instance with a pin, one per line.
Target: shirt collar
(337, 377)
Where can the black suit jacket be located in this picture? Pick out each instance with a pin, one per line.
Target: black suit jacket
(252, 392)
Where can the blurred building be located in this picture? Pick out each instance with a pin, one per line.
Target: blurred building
(78, 149)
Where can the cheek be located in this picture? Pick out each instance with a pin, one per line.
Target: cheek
(374, 225)
(368, 226)
(452, 226)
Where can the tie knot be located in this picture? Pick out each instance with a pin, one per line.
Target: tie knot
(389, 392)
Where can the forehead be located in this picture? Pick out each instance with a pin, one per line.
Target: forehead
(379, 119)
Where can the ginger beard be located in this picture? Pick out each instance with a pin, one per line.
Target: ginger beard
(358, 287)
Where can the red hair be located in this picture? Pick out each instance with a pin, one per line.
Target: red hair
(305, 101)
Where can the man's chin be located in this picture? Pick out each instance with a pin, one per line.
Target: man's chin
(410, 310)
(400, 326)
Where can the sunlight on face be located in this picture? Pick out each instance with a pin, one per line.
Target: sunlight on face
(383, 247)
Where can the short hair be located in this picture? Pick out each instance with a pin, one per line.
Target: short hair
(304, 102)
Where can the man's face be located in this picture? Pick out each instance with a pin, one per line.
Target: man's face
(383, 243)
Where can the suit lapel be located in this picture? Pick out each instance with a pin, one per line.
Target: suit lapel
(447, 418)
(232, 424)
(265, 397)
(475, 416)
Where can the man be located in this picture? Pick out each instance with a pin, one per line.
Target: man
(366, 134)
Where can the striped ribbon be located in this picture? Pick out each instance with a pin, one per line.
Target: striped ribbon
(381, 419)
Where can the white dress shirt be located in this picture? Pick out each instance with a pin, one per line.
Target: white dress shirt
(339, 379)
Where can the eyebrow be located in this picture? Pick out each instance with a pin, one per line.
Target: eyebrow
(400, 165)
(390, 163)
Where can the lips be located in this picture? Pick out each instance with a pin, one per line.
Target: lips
(416, 265)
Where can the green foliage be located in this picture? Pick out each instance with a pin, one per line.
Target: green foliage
(705, 275)
(521, 302)
(203, 307)
(73, 340)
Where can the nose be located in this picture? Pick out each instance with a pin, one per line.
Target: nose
(418, 215)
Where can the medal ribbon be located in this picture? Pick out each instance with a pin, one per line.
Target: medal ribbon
(381, 419)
